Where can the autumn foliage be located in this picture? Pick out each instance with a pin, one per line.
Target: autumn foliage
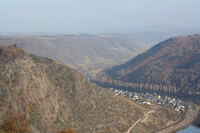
(66, 131)
(16, 123)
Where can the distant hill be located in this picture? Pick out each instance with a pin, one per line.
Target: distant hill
(84, 52)
(54, 96)
(170, 66)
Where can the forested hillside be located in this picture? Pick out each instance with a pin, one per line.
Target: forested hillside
(171, 66)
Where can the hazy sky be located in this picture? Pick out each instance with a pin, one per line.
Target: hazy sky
(95, 15)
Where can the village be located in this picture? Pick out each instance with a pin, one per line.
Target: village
(149, 99)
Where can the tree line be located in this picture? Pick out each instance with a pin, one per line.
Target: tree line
(141, 86)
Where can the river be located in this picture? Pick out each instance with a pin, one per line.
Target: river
(194, 128)
(190, 129)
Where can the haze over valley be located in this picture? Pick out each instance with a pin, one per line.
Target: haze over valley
(107, 66)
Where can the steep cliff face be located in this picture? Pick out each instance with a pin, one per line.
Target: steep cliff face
(54, 96)
(174, 62)
(27, 88)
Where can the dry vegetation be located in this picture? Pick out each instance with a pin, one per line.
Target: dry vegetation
(16, 123)
(66, 131)
(172, 66)
(56, 97)
(82, 52)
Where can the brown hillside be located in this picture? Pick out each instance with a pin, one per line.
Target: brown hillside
(172, 65)
(82, 52)
(54, 96)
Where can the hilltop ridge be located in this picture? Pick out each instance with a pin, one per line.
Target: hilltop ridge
(172, 66)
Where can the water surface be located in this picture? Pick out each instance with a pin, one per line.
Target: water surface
(190, 129)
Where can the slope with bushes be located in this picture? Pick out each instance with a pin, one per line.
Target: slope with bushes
(170, 66)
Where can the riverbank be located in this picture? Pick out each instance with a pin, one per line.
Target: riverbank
(187, 118)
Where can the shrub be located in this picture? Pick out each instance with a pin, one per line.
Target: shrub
(16, 123)
(66, 131)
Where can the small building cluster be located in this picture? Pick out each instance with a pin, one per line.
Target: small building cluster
(147, 98)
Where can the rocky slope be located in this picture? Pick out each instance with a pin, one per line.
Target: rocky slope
(54, 96)
(172, 66)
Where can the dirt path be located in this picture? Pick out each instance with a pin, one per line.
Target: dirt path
(134, 124)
